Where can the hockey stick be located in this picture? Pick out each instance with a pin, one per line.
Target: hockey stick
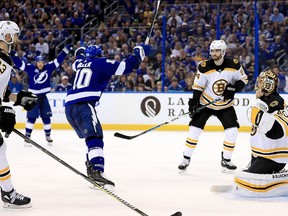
(123, 136)
(84, 176)
(152, 26)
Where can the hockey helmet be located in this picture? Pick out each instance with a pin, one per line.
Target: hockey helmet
(92, 51)
(8, 27)
(218, 45)
(39, 58)
(267, 82)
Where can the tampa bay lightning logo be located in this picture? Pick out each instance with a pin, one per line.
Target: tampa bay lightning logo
(150, 106)
(40, 77)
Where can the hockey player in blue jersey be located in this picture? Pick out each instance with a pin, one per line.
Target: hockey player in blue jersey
(92, 77)
(39, 83)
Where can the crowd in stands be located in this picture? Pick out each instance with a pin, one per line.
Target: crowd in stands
(190, 28)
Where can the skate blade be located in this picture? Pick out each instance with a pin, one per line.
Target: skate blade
(12, 206)
(107, 187)
(182, 171)
(50, 143)
(27, 145)
(227, 171)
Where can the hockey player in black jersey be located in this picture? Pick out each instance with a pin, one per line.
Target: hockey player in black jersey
(216, 78)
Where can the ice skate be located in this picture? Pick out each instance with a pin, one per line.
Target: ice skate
(49, 141)
(15, 200)
(227, 165)
(27, 144)
(184, 164)
(98, 177)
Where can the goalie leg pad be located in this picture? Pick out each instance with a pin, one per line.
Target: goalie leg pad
(261, 185)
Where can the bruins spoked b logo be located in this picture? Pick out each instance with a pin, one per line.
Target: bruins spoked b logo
(150, 106)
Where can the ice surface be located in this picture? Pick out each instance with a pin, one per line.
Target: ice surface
(145, 173)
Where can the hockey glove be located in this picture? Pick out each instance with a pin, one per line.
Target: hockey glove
(229, 92)
(193, 106)
(7, 119)
(26, 99)
(68, 48)
(141, 51)
(6, 95)
(79, 51)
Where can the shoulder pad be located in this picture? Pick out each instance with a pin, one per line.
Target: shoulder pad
(275, 102)
(232, 63)
(6, 58)
(205, 66)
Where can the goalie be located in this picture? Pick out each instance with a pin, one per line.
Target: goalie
(269, 144)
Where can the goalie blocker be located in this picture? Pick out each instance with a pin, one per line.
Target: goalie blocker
(261, 185)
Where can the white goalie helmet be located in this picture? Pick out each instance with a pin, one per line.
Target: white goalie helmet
(218, 45)
(8, 27)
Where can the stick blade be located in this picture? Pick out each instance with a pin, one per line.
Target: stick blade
(221, 188)
(123, 136)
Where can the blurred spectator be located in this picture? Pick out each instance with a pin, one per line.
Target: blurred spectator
(54, 80)
(64, 86)
(42, 47)
(15, 84)
(149, 79)
(142, 69)
(121, 83)
(278, 47)
(281, 77)
(140, 88)
(276, 16)
(129, 86)
(70, 73)
(175, 87)
(189, 83)
(174, 20)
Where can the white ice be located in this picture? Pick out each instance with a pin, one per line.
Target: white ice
(144, 170)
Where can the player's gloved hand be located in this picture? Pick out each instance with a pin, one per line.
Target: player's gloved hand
(7, 119)
(141, 51)
(69, 47)
(193, 106)
(26, 99)
(6, 95)
(79, 51)
(229, 92)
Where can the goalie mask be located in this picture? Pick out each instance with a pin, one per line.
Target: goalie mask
(267, 82)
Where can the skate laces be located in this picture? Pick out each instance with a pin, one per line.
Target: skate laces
(16, 196)
(185, 162)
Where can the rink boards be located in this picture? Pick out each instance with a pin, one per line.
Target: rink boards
(140, 111)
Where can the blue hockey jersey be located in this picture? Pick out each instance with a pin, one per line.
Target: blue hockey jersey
(39, 80)
(93, 75)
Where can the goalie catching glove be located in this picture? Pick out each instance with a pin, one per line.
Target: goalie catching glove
(258, 115)
(28, 100)
(7, 119)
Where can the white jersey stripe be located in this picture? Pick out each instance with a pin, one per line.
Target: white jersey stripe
(41, 91)
(120, 68)
(56, 63)
(76, 96)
